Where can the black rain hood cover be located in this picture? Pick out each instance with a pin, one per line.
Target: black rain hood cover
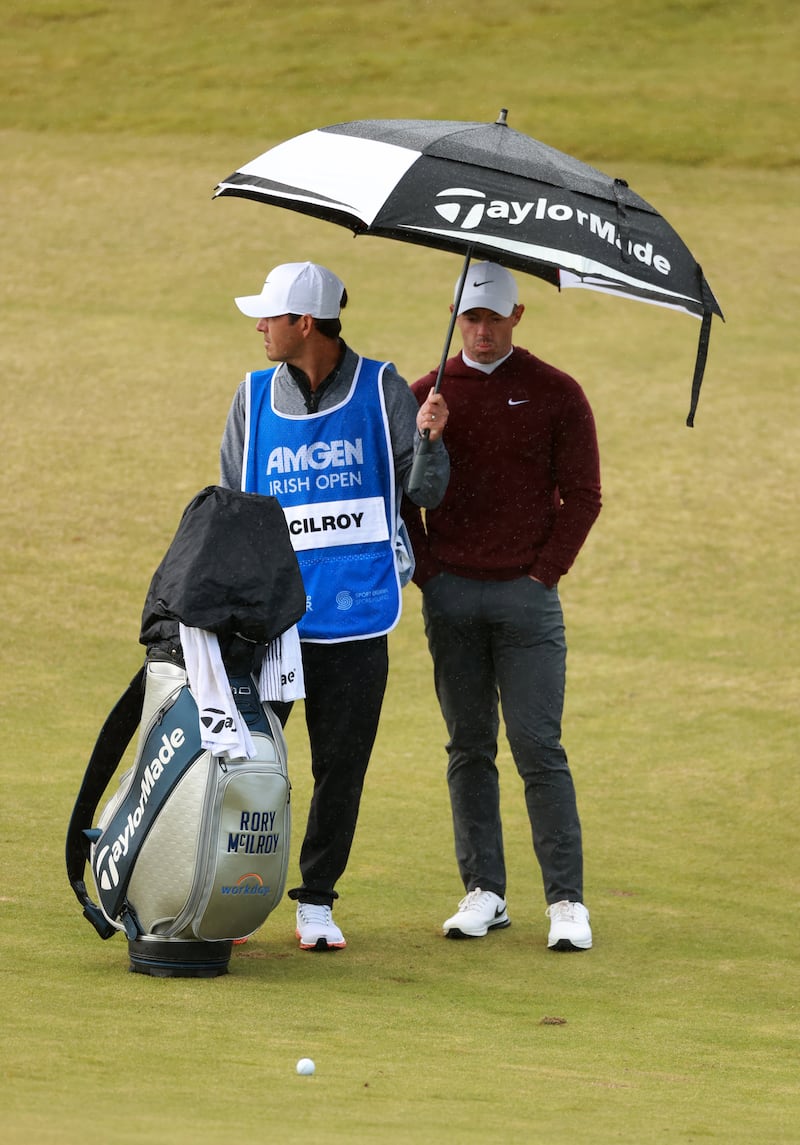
(230, 569)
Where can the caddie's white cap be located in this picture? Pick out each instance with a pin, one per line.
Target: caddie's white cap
(488, 287)
(296, 288)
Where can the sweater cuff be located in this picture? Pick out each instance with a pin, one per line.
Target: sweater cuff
(548, 574)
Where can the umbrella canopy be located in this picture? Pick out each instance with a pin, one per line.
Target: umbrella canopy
(487, 191)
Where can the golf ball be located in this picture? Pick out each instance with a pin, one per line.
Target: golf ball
(305, 1066)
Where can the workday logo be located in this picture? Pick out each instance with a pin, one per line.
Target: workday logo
(464, 208)
(249, 884)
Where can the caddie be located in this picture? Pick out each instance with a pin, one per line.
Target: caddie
(333, 437)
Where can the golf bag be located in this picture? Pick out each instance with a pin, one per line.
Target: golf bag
(191, 850)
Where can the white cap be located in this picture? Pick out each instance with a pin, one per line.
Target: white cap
(488, 287)
(296, 288)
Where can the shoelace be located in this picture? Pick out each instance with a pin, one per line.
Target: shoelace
(562, 912)
(313, 913)
(474, 899)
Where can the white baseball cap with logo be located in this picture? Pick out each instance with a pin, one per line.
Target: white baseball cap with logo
(296, 288)
(488, 287)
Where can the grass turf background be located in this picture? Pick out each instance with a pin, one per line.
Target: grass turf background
(120, 352)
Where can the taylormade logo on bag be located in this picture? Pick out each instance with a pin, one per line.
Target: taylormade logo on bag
(469, 208)
(105, 863)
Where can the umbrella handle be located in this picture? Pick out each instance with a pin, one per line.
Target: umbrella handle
(416, 477)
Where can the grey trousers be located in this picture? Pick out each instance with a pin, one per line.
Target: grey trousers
(505, 639)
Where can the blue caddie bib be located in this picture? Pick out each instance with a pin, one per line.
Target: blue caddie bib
(333, 474)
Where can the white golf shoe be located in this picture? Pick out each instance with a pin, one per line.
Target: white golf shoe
(316, 929)
(569, 926)
(478, 913)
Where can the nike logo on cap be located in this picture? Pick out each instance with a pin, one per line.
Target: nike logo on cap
(519, 402)
(485, 282)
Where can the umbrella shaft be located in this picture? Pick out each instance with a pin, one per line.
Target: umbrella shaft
(417, 474)
(453, 316)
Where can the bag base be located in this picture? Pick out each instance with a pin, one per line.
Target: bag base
(179, 958)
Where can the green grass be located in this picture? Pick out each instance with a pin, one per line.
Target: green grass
(120, 350)
(679, 81)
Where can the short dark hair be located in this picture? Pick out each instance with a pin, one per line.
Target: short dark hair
(327, 327)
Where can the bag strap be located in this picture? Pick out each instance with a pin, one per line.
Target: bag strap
(115, 735)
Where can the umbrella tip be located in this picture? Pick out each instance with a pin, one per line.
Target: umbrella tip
(502, 117)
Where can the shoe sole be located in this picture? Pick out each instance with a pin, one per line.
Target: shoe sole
(565, 945)
(454, 932)
(321, 944)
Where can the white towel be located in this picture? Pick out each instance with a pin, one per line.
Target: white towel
(281, 676)
(223, 731)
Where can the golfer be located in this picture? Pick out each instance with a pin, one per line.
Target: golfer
(332, 436)
(523, 495)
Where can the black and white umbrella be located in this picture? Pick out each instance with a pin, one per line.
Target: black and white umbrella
(486, 191)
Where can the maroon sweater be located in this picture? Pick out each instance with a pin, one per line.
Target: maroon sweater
(524, 485)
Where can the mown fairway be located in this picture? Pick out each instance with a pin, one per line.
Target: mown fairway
(120, 351)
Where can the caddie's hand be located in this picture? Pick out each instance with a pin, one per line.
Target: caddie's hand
(433, 415)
